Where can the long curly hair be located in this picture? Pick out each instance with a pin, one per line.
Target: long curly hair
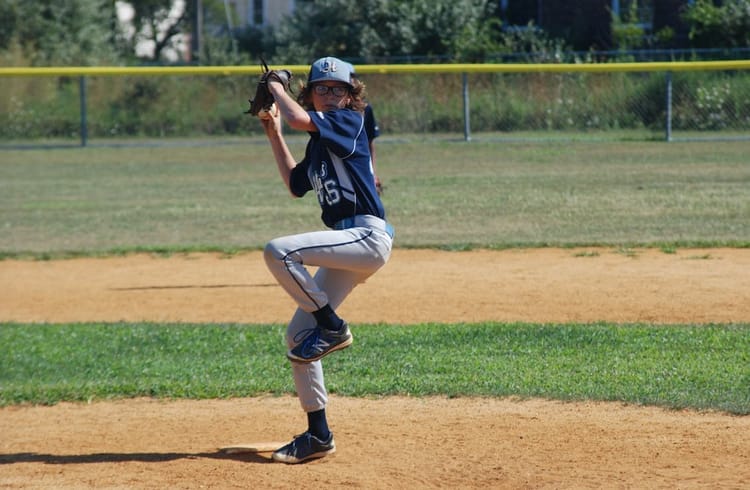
(356, 96)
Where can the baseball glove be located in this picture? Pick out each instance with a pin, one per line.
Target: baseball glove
(263, 99)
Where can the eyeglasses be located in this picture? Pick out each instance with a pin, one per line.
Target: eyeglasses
(337, 90)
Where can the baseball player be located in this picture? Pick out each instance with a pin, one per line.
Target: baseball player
(337, 167)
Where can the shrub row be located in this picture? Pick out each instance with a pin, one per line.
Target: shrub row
(189, 106)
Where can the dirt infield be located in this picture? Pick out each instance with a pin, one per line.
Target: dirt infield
(389, 442)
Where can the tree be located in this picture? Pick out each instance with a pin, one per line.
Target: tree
(67, 32)
(8, 23)
(373, 29)
(443, 27)
(670, 30)
(339, 28)
(627, 32)
(157, 23)
(533, 45)
(719, 26)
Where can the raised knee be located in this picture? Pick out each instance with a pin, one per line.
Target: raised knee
(271, 253)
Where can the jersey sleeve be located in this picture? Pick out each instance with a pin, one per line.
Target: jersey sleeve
(339, 130)
(299, 183)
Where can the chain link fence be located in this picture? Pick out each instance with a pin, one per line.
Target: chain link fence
(618, 104)
(651, 105)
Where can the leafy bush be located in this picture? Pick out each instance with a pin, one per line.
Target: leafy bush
(716, 102)
(727, 24)
(192, 105)
(648, 99)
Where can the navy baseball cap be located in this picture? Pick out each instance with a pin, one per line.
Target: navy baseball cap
(353, 72)
(330, 69)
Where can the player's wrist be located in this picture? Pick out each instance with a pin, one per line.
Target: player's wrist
(276, 87)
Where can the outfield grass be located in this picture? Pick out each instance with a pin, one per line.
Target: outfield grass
(702, 367)
(439, 193)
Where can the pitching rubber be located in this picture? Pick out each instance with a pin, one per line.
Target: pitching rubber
(253, 447)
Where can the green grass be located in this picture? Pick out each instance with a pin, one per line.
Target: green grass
(226, 196)
(679, 366)
(439, 193)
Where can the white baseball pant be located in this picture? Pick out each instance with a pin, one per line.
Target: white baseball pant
(345, 258)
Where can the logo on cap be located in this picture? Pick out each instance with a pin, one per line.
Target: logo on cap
(328, 66)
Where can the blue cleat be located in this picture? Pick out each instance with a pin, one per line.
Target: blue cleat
(319, 343)
(304, 447)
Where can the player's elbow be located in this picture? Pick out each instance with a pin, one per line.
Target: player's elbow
(300, 120)
(302, 124)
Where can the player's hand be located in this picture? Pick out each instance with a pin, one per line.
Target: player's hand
(271, 119)
(378, 186)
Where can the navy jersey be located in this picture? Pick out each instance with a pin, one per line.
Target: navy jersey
(338, 166)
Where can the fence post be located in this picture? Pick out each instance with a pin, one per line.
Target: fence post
(82, 96)
(467, 130)
(669, 107)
